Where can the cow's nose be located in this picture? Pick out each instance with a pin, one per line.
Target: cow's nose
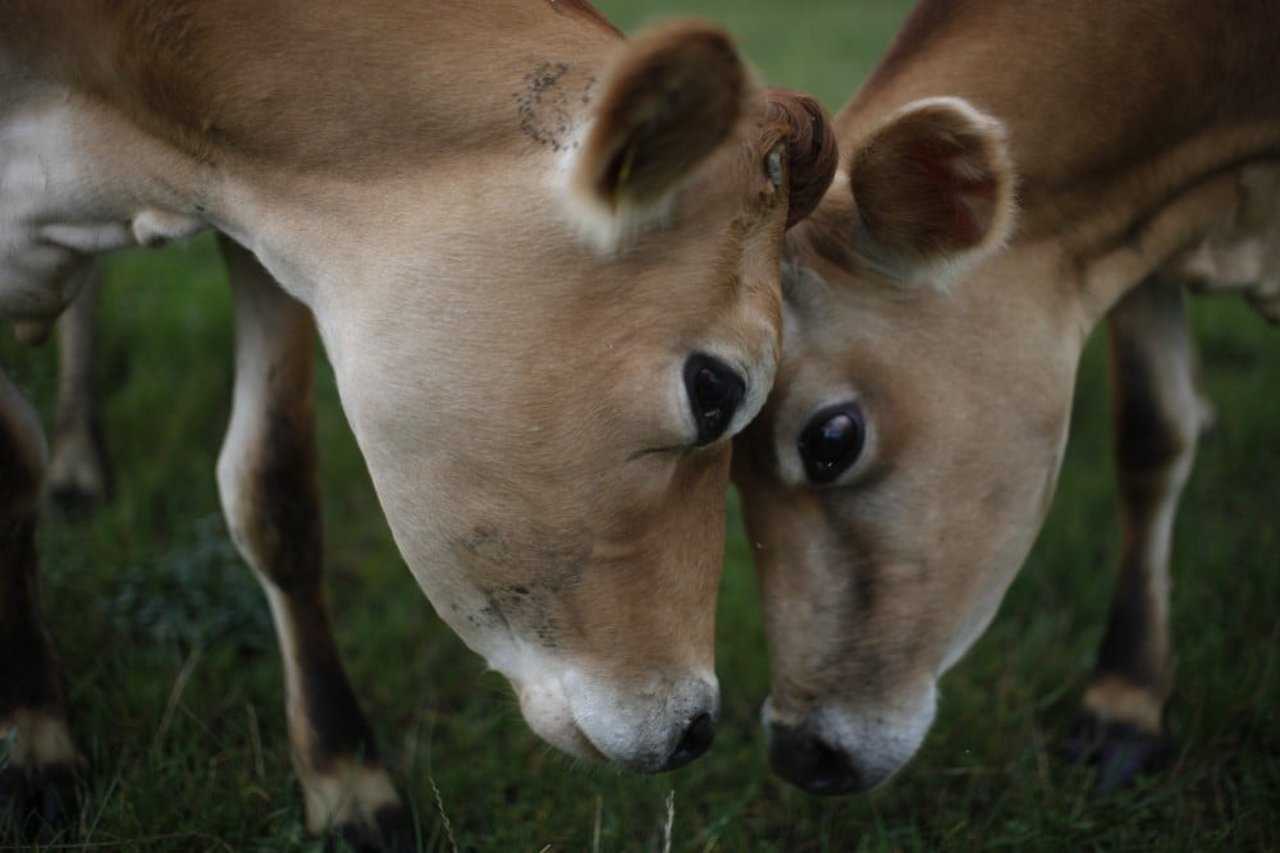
(696, 739)
(808, 762)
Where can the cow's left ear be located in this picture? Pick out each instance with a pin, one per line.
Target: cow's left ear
(933, 191)
(673, 97)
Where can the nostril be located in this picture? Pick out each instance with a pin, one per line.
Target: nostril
(830, 772)
(809, 763)
(696, 739)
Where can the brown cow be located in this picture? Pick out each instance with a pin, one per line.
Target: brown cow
(908, 453)
(544, 265)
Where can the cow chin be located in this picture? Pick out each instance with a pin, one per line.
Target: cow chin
(836, 750)
(546, 710)
(650, 730)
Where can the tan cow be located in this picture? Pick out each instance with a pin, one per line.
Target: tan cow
(1012, 173)
(544, 265)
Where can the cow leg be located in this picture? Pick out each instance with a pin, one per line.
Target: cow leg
(267, 477)
(1158, 414)
(39, 762)
(79, 468)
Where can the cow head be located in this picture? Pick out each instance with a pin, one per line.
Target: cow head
(896, 477)
(543, 346)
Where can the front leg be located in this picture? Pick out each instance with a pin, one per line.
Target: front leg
(1158, 414)
(267, 477)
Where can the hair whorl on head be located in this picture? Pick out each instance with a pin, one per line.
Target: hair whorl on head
(802, 125)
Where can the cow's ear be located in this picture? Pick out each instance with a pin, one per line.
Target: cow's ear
(933, 191)
(668, 101)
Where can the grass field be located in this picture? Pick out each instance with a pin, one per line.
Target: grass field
(174, 681)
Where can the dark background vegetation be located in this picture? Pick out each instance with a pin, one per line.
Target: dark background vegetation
(175, 685)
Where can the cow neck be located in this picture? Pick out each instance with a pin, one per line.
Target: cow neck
(1100, 150)
(325, 85)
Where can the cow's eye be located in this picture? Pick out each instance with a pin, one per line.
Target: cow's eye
(715, 391)
(832, 441)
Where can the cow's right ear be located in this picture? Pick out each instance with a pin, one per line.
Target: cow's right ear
(933, 191)
(668, 101)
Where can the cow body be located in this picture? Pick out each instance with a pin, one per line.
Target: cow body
(452, 191)
(1053, 165)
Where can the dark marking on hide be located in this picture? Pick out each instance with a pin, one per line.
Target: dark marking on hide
(287, 529)
(546, 106)
(491, 615)
(1145, 439)
(532, 610)
(1126, 649)
(543, 575)
(480, 539)
(866, 587)
(333, 716)
(854, 554)
(541, 106)
(286, 532)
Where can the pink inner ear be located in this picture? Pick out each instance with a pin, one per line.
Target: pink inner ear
(963, 189)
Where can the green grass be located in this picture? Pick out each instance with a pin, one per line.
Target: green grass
(175, 685)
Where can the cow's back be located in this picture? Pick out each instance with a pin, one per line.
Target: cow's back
(315, 85)
(1087, 89)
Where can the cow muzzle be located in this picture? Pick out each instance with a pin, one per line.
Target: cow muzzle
(652, 728)
(835, 750)
(808, 762)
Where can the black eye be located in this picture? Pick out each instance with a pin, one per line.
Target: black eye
(832, 442)
(715, 391)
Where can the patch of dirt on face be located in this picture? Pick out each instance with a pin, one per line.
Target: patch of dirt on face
(525, 585)
(546, 106)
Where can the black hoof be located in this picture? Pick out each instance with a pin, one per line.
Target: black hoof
(393, 830)
(1120, 751)
(37, 807)
(72, 501)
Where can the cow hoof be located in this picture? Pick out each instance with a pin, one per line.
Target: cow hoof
(72, 501)
(392, 829)
(1119, 751)
(76, 495)
(79, 478)
(37, 806)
